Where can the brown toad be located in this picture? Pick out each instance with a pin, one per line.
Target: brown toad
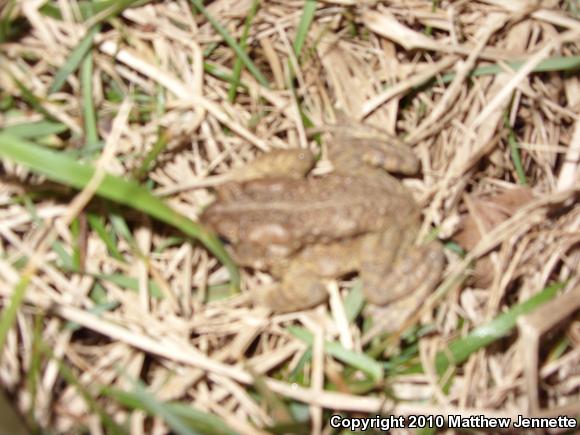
(305, 230)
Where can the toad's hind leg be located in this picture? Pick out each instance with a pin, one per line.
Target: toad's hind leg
(349, 154)
(413, 268)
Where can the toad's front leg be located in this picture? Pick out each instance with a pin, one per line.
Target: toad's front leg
(300, 287)
(285, 163)
(302, 281)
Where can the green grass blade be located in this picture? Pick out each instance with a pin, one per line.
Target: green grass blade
(299, 428)
(154, 407)
(191, 419)
(147, 163)
(459, 350)
(89, 117)
(9, 312)
(557, 63)
(32, 100)
(237, 71)
(60, 168)
(34, 371)
(120, 280)
(276, 407)
(201, 421)
(515, 151)
(358, 360)
(33, 130)
(113, 7)
(66, 260)
(218, 73)
(89, 9)
(516, 157)
(97, 310)
(98, 226)
(232, 43)
(304, 25)
(297, 373)
(129, 282)
(74, 60)
(354, 301)
(12, 26)
(123, 231)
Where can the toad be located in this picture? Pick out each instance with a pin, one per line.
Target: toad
(307, 229)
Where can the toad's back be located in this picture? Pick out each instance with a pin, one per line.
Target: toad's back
(294, 212)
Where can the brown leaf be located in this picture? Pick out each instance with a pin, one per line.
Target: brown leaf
(484, 213)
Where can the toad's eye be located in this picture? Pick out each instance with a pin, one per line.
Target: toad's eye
(224, 240)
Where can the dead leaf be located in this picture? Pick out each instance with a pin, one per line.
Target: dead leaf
(484, 213)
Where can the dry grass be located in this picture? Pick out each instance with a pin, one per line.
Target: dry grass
(500, 157)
